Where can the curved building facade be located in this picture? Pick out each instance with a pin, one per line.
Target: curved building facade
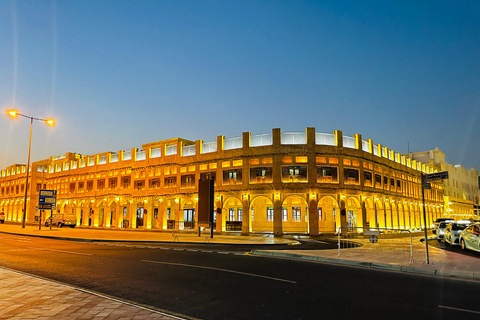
(279, 182)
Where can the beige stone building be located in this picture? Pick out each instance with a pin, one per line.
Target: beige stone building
(279, 182)
(461, 189)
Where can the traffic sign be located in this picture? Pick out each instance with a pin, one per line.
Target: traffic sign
(373, 239)
(47, 199)
(436, 176)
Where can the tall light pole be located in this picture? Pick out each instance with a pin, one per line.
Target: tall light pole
(14, 114)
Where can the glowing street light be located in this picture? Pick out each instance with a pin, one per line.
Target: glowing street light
(50, 122)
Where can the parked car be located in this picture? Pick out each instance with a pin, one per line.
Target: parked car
(437, 223)
(62, 219)
(470, 237)
(453, 230)
(2, 217)
(441, 229)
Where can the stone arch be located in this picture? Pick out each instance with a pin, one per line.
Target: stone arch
(330, 214)
(401, 215)
(371, 217)
(354, 213)
(380, 211)
(261, 214)
(294, 214)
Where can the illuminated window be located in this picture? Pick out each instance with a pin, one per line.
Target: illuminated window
(319, 214)
(296, 214)
(269, 214)
(253, 214)
(327, 174)
(367, 179)
(169, 213)
(351, 176)
(285, 214)
(231, 214)
(126, 182)
(240, 214)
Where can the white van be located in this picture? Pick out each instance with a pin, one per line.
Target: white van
(62, 219)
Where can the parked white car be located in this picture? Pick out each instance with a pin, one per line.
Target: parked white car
(470, 237)
(453, 230)
(61, 219)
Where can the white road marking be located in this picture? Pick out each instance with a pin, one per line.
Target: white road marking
(80, 253)
(207, 251)
(459, 309)
(218, 269)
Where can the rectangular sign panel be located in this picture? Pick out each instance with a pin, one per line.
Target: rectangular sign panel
(47, 199)
(436, 176)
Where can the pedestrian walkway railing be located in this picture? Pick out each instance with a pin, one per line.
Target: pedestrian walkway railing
(201, 229)
(387, 242)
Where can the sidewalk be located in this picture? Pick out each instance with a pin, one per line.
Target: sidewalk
(20, 298)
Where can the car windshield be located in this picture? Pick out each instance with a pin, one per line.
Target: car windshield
(459, 226)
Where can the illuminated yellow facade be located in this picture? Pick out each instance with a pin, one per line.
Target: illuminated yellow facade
(461, 189)
(279, 182)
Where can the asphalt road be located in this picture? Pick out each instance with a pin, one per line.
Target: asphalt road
(222, 282)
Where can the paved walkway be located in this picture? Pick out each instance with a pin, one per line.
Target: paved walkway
(21, 298)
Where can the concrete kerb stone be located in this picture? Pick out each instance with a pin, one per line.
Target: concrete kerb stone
(369, 265)
(139, 241)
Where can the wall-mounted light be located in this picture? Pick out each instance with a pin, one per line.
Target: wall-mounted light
(176, 200)
(313, 195)
(196, 198)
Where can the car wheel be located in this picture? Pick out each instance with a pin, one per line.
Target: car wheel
(462, 244)
(72, 227)
(439, 240)
(59, 225)
(46, 224)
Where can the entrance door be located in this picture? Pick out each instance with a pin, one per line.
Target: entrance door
(139, 217)
(352, 220)
(189, 217)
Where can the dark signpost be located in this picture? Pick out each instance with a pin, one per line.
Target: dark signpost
(205, 202)
(426, 185)
(47, 200)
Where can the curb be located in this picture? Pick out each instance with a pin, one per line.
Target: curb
(146, 241)
(370, 265)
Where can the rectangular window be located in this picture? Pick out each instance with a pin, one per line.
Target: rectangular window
(154, 183)
(294, 174)
(285, 214)
(319, 214)
(170, 182)
(187, 181)
(296, 214)
(240, 214)
(327, 174)
(81, 186)
(112, 183)
(231, 214)
(72, 187)
(385, 183)
(155, 213)
(367, 179)
(269, 214)
(126, 182)
(232, 176)
(253, 214)
(351, 176)
(101, 184)
(139, 185)
(169, 213)
(261, 175)
(378, 181)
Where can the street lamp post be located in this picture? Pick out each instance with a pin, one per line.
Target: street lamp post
(14, 114)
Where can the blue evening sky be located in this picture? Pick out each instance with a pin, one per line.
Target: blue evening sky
(118, 74)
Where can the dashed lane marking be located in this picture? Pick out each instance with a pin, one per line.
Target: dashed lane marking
(459, 309)
(218, 269)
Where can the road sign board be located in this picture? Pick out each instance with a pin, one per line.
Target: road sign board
(373, 239)
(436, 176)
(47, 199)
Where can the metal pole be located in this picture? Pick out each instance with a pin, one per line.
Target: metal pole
(26, 180)
(424, 217)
